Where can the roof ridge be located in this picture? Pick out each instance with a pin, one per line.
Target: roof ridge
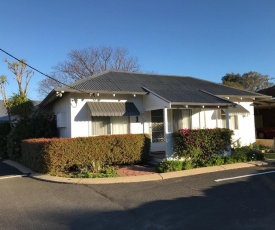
(82, 80)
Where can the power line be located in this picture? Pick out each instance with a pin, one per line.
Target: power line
(40, 71)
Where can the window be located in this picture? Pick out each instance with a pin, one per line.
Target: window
(110, 125)
(101, 125)
(233, 121)
(120, 125)
(181, 119)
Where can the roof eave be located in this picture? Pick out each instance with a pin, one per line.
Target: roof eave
(48, 99)
(202, 104)
(246, 96)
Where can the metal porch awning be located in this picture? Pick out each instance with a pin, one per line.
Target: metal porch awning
(237, 110)
(113, 109)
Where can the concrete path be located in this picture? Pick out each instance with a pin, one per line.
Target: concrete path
(136, 174)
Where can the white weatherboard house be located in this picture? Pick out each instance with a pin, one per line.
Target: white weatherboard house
(116, 102)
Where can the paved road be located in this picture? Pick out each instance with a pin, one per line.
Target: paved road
(196, 202)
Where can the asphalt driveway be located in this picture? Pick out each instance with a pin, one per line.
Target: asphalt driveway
(194, 202)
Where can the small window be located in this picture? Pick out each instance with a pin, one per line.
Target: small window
(120, 125)
(101, 125)
(233, 121)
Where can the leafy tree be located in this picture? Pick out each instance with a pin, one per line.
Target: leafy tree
(233, 80)
(254, 81)
(251, 81)
(84, 63)
(20, 105)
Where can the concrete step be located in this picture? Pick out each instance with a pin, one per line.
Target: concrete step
(154, 160)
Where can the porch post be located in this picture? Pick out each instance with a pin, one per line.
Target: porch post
(167, 135)
(228, 153)
(227, 118)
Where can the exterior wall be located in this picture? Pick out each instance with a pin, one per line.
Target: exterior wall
(62, 106)
(152, 102)
(245, 135)
(206, 118)
(81, 118)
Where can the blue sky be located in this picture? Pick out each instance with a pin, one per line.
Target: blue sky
(200, 38)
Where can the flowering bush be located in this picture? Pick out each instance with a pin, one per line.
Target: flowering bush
(202, 143)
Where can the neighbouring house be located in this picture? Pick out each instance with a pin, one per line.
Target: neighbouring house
(265, 109)
(265, 114)
(116, 102)
(3, 112)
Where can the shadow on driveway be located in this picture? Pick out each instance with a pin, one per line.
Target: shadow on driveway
(7, 170)
(246, 203)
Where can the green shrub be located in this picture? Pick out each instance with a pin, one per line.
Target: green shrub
(215, 159)
(169, 166)
(187, 165)
(247, 153)
(261, 147)
(229, 160)
(105, 171)
(40, 124)
(269, 155)
(4, 131)
(59, 154)
(239, 157)
(253, 155)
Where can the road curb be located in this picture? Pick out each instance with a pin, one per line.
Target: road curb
(132, 179)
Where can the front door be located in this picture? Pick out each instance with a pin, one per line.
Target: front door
(157, 127)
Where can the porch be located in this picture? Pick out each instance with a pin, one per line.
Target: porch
(164, 122)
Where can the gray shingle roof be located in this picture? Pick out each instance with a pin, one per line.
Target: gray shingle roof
(172, 88)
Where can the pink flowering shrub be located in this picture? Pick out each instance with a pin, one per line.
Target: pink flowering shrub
(201, 143)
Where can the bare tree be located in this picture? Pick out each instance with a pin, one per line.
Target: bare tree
(22, 75)
(3, 82)
(84, 63)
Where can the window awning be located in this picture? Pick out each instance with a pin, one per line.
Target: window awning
(113, 109)
(238, 110)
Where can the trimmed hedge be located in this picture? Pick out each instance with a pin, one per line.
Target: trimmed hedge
(58, 155)
(202, 143)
